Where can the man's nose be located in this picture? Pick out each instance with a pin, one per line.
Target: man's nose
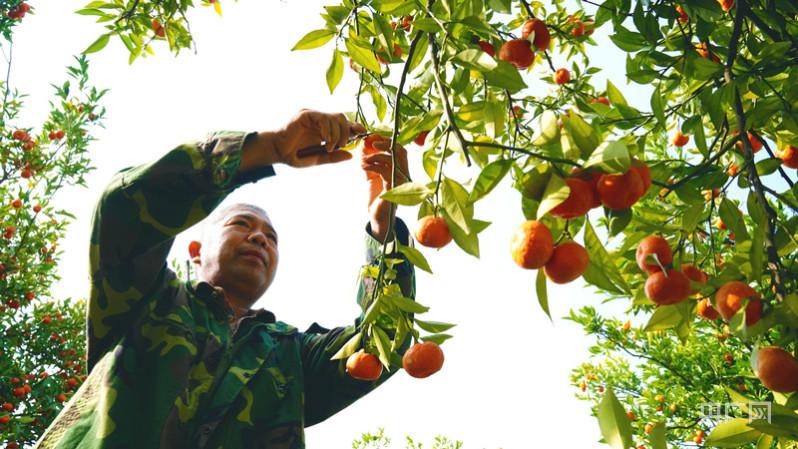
(259, 238)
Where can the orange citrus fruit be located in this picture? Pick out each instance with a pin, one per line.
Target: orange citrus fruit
(532, 245)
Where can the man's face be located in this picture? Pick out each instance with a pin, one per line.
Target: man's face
(239, 253)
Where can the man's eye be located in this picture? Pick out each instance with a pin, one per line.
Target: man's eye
(274, 239)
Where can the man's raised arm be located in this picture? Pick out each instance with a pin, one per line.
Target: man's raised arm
(143, 208)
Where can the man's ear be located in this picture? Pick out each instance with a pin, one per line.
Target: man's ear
(194, 251)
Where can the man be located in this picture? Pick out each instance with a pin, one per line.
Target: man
(178, 364)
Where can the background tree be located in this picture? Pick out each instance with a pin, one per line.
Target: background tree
(41, 334)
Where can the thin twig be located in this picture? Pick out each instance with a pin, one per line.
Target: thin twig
(445, 99)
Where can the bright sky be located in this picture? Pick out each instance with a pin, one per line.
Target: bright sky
(505, 380)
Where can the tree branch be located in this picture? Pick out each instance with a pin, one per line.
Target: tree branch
(445, 99)
(770, 247)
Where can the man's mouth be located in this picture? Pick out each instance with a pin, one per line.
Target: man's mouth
(256, 255)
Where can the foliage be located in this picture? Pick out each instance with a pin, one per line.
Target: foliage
(138, 24)
(379, 440)
(662, 380)
(713, 68)
(42, 345)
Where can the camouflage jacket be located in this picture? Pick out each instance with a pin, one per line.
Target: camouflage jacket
(165, 371)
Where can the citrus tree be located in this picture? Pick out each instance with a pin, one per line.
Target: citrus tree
(696, 224)
(682, 205)
(41, 334)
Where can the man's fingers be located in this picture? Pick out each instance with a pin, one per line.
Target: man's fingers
(324, 129)
(346, 130)
(333, 157)
(335, 133)
(385, 145)
(358, 128)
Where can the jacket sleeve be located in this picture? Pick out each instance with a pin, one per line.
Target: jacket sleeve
(136, 220)
(328, 388)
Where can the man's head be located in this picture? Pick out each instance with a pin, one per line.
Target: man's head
(238, 252)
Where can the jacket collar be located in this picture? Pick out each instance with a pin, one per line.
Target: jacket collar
(216, 303)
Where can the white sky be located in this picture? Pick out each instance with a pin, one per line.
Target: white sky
(505, 381)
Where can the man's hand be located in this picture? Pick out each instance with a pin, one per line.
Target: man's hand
(308, 128)
(378, 168)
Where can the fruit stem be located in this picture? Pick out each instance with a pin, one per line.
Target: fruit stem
(659, 264)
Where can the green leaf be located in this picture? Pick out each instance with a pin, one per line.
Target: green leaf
(408, 194)
(91, 12)
(406, 304)
(614, 424)
(505, 76)
(600, 258)
(469, 242)
(402, 329)
(477, 60)
(549, 128)
(667, 317)
(379, 102)
(594, 275)
(692, 216)
(437, 338)
(583, 134)
(500, 5)
(383, 343)
(764, 442)
(628, 41)
(767, 166)
(362, 54)
(314, 39)
(543, 296)
(658, 105)
(415, 257)
(733, 432)
(433, 326)
(657, 437)
(615, 95)
(335, 71)
(754, 208)
(427, 24)
(701, 69)
(348, 348)
(611, 156)
(489, 178)
(556, 193)
(383, 29)
(733, 219)
(757, 252)
(455, 203)
(419, 52)
(617, 220)
(417, 124)
(98, 45)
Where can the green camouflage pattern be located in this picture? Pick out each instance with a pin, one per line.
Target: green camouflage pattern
(165, 371)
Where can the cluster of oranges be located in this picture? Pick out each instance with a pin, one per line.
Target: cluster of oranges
(420, 361)
(521, 52)
(665, 285)
(19, 11)
(532, 247)
(775, 367)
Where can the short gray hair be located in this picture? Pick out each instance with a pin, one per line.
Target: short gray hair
(222, 212)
